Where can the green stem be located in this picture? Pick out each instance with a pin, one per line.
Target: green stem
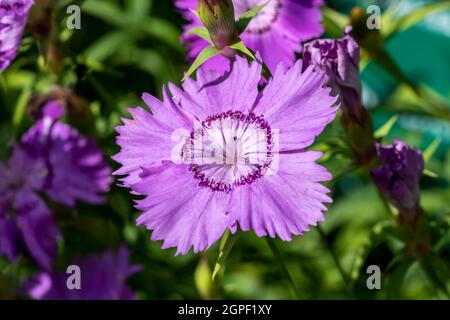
(276, 252)
(227, 244)
(344, 276)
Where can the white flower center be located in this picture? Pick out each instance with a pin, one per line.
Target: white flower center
(229, 149)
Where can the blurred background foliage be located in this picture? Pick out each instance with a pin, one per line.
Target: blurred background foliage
(126, 47)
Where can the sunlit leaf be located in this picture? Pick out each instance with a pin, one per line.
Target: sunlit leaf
(430, 173)
(202, 32)
(384, 130)
(399, 24)
(206, 54)
(240, 46)
(203, 279)
(429, 152)
(247, 17)
(228, 241)
(334, 22)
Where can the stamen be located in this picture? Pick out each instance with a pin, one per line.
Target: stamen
(229, 149)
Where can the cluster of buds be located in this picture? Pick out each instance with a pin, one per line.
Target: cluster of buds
(395, 169)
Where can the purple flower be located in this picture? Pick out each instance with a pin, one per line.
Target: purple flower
(276, 32)
(102, 278)
(76, 167)
(26, 224)
(339, 58)
(54, 159)
(219, 154)
(13, 18)
(398, 177)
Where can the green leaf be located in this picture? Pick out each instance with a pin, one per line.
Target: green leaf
(148, 60)
(404, 22)
(442, 268)
(106, 11)
(386, 128)
(334, 22)
(227, 243)
(106, 46)
(160, 29)
(21, 105)
(139, 8)
(430, 173)
(377, 235)
(240, 46)
(428, 153)
(202, 32)
(396, 277)
(437, 271)
(203, 279)
(206, 54)
(247, 17)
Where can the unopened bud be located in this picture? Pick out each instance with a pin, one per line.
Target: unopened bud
(218, 18)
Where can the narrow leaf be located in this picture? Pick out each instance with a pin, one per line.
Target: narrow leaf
(203, 278)
(227, 244)
(247, 17)
(106, 46)
(21, 105)
(406, 21)
(386, 128)
(107, 11)
(429, 152)
(397, 276)
(334, 22)
(202, 32)
(162, 30)
(240, 46)
(206, 54)
(430, 173)
(139, 8)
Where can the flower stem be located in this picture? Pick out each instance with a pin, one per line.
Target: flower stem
(344, 276)
(227, 244)
(276, 252)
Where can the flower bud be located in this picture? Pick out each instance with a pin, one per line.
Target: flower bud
(218, 18)
(339, 60)
(398, 177)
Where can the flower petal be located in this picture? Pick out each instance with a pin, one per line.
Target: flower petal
(297, 105)
(292, 199)
(38, 229)
(179, 211)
